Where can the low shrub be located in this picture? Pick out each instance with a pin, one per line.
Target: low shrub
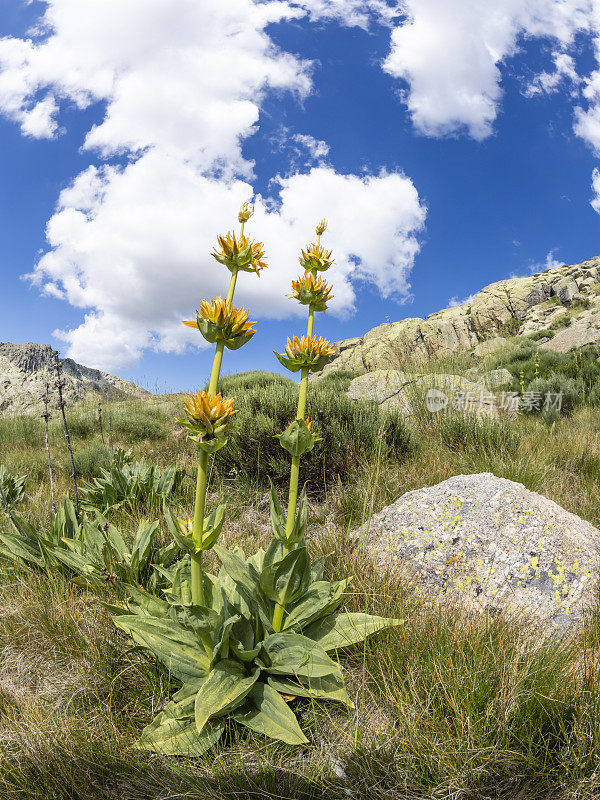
(350, 431)
(467, 432)
(571, 390)
(140, 422)
(89, 460)
(581, 364)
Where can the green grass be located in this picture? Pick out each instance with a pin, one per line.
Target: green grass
(448, 706)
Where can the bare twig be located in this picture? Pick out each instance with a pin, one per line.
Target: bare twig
(46, 416)
(61, 403)
(100, 419)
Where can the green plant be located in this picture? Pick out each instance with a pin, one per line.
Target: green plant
(555, 391)
(242, 641)
(13, 486)
(89, 460)
(136, 484)
(349, 431)
(93, 551)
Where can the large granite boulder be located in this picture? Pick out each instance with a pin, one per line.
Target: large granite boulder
(397, 391)
(491, 545)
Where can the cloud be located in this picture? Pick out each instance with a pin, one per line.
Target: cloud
(595, 201)
(455, 301)
(133, 244)
(188, 77)
(449, 53)
(182, 83)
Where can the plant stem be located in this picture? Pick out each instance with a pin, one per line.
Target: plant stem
(59, 385)
(293, 491)
(46, 417)
(198, 598)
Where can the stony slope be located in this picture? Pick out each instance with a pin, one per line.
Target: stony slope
(24, 369)
(520, 306)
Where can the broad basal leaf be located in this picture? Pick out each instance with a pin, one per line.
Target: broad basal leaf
(294, 654)
(322, 598)
(286, 581)
(176, 648)
(174, 732)
(225, 688)
(345, 629)
(266, 712)
(330, 687)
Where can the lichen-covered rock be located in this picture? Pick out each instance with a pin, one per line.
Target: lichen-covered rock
(492, 545)
(24, 369)
(517, 305)
(395, 390)
(497, 378)
(491, 347)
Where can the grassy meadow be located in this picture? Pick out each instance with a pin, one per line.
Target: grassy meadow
(446, 706)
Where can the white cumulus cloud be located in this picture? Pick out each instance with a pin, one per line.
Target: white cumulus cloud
(182, 83)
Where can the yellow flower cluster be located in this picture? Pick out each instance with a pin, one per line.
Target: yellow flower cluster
(208, 414)
(240, 253)
(311, 291)
(315, 257)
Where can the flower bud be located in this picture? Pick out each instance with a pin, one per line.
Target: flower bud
(311, 291)
(207, 418)
(309, 352)
(321, 227)
(245, 212)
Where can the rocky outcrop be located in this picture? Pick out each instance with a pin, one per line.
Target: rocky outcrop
(491, 545)
(516, 306)
(24, 369)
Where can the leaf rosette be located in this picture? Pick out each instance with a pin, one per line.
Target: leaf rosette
(219, 321)
(308, 352)
(253, 670)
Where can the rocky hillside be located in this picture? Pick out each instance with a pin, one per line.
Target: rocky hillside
(24, 369)
(560, 306)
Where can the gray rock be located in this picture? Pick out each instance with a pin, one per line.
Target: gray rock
(491, 545)
(395, 390)
(491, 347)
(24, 369)
(525, 303)
(497, 378)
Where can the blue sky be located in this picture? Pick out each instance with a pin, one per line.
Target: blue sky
(326, 107)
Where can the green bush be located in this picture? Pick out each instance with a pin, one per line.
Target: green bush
(137, 423)
(351, 431)
(594, 395)
(581, 364)
(20, 430)
(572, 390)
(467, 432)
(89, 460)
(559, 323)
(83, 425)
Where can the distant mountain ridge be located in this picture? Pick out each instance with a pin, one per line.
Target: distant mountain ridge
(560, 306)
(24, 369)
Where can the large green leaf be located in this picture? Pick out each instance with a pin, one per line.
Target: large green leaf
(266, 712)
(176, 648)
(344, 629)
(330, 687)
(144, 604)
(17, 547)
(286, 581)
(224, 689)
(142, 545)
(173, 731)
(294, 654)
(322, 598)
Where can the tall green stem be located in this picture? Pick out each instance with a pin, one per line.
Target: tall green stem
(198, 598)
